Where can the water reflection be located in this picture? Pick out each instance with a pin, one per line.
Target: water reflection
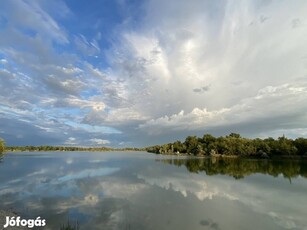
(240, 168)
(143, 191)
(1, 157)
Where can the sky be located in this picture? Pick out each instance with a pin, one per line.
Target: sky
(125, 73)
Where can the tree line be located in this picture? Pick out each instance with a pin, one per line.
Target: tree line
(233, 145)
(31, 148)
(43, 148)
(53, 148)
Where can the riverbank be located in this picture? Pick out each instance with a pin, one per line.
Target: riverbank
(233, 156)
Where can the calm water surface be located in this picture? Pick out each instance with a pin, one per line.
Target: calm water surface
(138, 190)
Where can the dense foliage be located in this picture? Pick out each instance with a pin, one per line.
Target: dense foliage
(233, 145)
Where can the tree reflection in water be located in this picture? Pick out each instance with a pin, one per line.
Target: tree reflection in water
(239, 168)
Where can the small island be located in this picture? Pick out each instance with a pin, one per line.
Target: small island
(233, 145)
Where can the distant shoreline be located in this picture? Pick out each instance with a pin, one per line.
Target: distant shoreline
(66, 149)
(232, 156)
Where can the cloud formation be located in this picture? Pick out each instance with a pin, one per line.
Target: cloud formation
(156, 76)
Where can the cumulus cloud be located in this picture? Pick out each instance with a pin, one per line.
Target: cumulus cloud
(268, 102)
(185, 68)
(226, 54)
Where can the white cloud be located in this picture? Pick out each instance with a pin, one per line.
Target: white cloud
(70, 70)
(3, 61)
(268, 102)
(98, 141)
(71, 141)
(115, 117)
(183, 68)
(232, 53)
(79, 103)
(86, 47)
(30, 15)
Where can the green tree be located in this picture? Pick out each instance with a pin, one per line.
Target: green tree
(191, 142)
(261, 146)
(234, 144)
(180, 147)
(209, 143)
(301, 145)
(286, 146)
(222, 145)
(234, 135)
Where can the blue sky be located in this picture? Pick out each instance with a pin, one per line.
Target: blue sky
(137, 73)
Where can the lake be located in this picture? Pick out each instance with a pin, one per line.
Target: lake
(138, 190)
